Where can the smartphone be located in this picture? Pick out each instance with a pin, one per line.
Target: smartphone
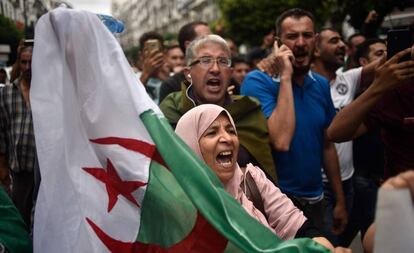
(28, 43)
(152, 45)
(398, 40)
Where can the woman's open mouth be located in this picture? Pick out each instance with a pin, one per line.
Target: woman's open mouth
(225, 159)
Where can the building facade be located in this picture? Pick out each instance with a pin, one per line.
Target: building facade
(165, 17)
(26, 12)
(13, 9)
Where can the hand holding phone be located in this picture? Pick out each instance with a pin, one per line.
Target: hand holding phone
(152, 45)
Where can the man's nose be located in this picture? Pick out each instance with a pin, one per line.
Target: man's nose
(215, 67)
(342, 44)
(300, 42)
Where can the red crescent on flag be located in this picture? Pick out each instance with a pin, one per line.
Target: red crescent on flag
(145, 148)
(203, 238)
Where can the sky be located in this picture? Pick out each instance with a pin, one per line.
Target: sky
(96, 6)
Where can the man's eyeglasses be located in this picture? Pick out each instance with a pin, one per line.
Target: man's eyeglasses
(25, 61)
(208, 61)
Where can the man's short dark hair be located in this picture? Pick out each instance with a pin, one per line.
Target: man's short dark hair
(363, 48)
(188, 33)
(239, 59)
(353, 36)
(318, 38)
(170, 47)
(150, 36)
(295, 13)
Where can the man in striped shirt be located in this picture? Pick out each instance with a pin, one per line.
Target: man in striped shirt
(17, 142)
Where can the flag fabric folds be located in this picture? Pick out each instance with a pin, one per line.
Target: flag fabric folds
(115, 177)
(13, 230)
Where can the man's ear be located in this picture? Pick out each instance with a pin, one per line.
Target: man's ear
(316, 52)
(362, 61)
(186, 43)
(187, 74)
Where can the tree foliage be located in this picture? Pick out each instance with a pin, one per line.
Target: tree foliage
(247, 21)
(10, 35)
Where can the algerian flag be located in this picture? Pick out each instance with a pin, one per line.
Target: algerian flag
(115, 178)
(13, 230)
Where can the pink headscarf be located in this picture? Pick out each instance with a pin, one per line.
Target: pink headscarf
(195, 122)
(284, 218)
(191, 127)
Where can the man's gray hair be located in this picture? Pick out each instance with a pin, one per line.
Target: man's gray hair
(196, 44)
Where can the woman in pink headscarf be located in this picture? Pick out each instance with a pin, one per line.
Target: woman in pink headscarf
(210, 132)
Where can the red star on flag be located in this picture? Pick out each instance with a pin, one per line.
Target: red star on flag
(115, 186)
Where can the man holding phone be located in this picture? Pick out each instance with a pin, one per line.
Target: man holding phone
(152, 60)
(387, 105)
(299, 108)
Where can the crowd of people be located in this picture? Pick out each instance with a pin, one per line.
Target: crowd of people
(312, 124)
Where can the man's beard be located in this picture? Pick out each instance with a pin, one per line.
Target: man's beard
(302, 70)
(332, 63)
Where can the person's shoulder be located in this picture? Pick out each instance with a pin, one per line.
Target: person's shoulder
(171, 100)
(170, 107)
(318, 78)
(258, 175)
(320, 81)
(175, 79)
(258, 74)
(246, 111)
(350, 77)
(244, 98)
(353, 71)
(7, 90)
(257, 81)
(244, 104)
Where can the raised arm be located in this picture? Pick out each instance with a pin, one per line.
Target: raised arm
(151, 65)
(282, 121)
(348, 123)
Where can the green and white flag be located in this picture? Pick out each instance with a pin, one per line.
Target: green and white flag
(13, 231)
(115, 177)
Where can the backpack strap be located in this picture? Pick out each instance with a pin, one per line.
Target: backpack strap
(252, 192)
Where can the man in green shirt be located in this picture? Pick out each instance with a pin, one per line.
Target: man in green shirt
(208, 70)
